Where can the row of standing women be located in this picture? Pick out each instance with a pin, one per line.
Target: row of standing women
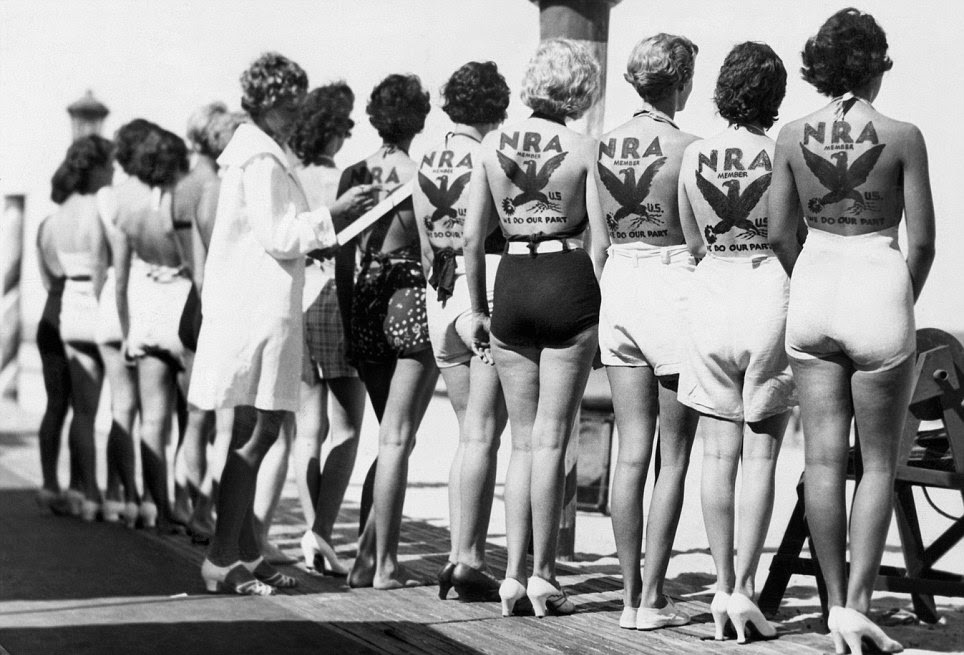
(695, 288)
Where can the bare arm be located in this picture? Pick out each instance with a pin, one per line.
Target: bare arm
(687, 219)
(599, 245)
(480, 208)
(122, 268)
(784, 207)
(101, 252)
(918, 212)
(46, 274)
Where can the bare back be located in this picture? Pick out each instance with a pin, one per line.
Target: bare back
(536, 172)
(847, 162)
(637, 171)
(388, 168)
(441, 197)
(75, 233)
(144, 216)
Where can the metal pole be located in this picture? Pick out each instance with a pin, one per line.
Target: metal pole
(11, 257)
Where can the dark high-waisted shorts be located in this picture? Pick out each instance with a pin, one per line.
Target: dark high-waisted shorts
(545, 300)
(388, 310)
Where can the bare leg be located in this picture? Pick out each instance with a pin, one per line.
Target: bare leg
(880, 404)
(267, 493)
(312, 429)
(634, 391)
(411, 390)
(677, 427)
(121, 458)
(255, 431)
(823, 386)
(457, 387)
(563, 373)
(761, 447)
(86, 378)
(518, 370)
(346, 410)
(56, 375)
(485, 419)
(156, 386)
(722, 444)
(202, 522)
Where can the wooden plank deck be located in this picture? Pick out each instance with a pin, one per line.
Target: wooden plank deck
(414, 621)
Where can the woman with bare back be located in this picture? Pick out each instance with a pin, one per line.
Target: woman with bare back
(853, 173)
(537, 175)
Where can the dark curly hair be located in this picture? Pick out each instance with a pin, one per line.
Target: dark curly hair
(476, 93)
(751, 85)
(848, 51)
(127, 138)
(323, 115)
(270, 80)
(75, 173)
(398, 107)
(159, 158)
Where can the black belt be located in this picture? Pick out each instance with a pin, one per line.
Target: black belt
(79, 278)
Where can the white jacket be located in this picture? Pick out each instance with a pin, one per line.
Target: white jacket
(251, 345)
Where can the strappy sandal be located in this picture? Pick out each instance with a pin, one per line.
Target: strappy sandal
(269, 575)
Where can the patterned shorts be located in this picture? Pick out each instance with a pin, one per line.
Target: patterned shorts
(388, 310)
(325, 336)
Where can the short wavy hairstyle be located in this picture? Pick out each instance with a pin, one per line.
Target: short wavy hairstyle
(126, 139)
(849, 50)
(76, 173)
(476, 93)
(160, 158)
(562, 79)
(199, 132)
(323, 115)
(272, 79)
(220, 130)
(660, 63)
(397, 107)
(751, 85)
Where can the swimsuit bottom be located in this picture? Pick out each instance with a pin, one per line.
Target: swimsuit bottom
(544, 299)
(388, 309)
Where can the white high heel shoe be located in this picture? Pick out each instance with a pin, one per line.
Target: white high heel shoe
(849, 628)
(744, 614)
(317, 551)
(718, 609)
(233, 579)
(511, 591)
(546, 597)
(627, 620)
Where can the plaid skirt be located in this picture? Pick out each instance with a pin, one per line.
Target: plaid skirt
(325, 340)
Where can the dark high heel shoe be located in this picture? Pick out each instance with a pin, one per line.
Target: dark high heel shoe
(445, 580)
(474, 585)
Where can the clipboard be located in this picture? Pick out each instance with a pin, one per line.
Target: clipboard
(393, 200)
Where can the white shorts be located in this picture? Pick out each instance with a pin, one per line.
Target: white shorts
(156, 297)
(448, 324)
(851, 295)
(736, 366)
(644, 297)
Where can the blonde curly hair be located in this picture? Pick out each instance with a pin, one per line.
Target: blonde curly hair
(659, 63)
(562, 79)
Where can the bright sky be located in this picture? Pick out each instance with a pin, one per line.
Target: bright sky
(161, 60)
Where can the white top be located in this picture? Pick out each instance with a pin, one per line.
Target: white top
(251, 342)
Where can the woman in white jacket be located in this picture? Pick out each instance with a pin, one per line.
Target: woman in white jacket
(250, 345)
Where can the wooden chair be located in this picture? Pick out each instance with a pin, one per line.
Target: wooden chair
(927, 459)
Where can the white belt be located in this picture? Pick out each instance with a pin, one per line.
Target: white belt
(663, 253)
(550, 245)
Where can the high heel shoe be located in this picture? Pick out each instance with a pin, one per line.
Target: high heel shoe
(148, 514)
(269, 575)
(511, 591)
(721, 621)
(444, 578)
(474, 585)
(627, 620)
(547, 598)
(233, 579)
(321, 557)
(111, 511)
(53, 501)
(75, 502)
(747, 617)
(130, 513)
(89, 510)
(849, 628)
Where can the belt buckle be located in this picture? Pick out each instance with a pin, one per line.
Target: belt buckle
(665, 256)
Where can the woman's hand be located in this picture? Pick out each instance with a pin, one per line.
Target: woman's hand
(479, 333)
(355, 201)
